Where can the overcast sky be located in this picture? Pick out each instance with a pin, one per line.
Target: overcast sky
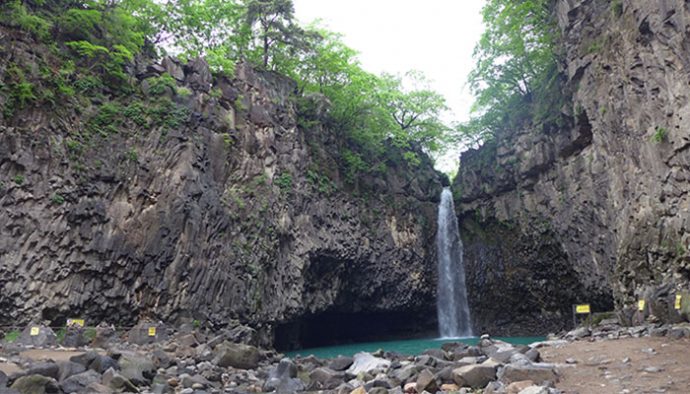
(434, 36)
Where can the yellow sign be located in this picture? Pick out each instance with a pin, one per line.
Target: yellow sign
(640, 305)
(75, 322)
(582, 309)
(679, 298)
(152, 331)
(35, 331)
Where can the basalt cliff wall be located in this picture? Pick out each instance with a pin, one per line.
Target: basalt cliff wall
(596, 211)
(230, 207)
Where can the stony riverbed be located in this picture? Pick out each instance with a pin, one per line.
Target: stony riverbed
(191, 361)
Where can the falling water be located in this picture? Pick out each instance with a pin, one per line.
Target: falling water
(453, 311)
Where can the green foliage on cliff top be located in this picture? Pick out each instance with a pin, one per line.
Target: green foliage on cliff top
(97, 40)
(515, 79)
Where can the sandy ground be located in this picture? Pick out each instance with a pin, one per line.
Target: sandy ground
(38, 354)
(634, 365)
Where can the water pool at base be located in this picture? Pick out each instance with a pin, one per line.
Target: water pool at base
(407, 347)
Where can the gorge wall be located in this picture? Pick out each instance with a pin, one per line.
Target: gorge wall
(216, 200)
(596, 211)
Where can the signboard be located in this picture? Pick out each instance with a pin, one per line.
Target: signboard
(582, 309)
(679, 298)
(152, 331)
(75, 322)
(640, 305)
(35, 331)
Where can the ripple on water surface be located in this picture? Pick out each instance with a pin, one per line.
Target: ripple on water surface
(408, 347)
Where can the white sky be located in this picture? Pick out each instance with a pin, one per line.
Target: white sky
(434, 36)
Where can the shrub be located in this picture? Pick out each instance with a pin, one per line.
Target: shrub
(18, 179)
(57, 199)
(159, 85)
(284, 182)
(660, 134)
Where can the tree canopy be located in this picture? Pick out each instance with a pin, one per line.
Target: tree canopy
(515, 68)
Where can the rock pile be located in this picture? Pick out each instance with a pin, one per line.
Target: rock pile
(192, 362)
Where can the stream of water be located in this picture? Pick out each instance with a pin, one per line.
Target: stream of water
(453, 310)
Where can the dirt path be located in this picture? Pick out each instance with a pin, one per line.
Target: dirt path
(38, 354)
(634, 365)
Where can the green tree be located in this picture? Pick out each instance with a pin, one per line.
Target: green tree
(274, 30)
(516, 67)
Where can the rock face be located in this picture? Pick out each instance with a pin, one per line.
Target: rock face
(596, 211)
(240, 211)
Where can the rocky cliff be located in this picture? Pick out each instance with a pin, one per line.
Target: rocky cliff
(596, 211)
(208, 198)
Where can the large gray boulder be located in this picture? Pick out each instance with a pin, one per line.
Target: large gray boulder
(147, 332)
(37, 335)
(137, 368)
(35, 384)
(341, 363)
(475, 376)
(536, 372)
(236, 355)
(78, 383)
(324, 378)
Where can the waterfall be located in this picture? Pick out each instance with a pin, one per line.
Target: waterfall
(453, 311)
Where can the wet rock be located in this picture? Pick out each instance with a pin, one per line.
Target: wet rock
(79, 382)
(48, 369)
(365, 362)
(236, 355)
(475, 376)
(35, 384)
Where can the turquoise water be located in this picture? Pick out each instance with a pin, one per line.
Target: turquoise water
(408, 347)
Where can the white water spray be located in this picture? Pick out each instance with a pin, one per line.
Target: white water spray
(453, 310)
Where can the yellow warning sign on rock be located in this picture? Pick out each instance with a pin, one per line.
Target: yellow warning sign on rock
(640, 305)
(583, 309)
(679, 298)
(35, 331)
(152, 331)
(75, 322)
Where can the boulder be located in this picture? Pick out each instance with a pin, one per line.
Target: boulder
(536, 372)
(35, 384)
(426, 381)
(37, 335)
(147, 332)
(105, 336)
(340, 363)
(236, 355)
(365, 362)
(437, 353)
(79, 382)
(115, 381)
(324, 378)
(137, 368)
(282, 373)
(3, 380)
(579, 333)
(474, 376)
(535, 390)
(517, 387)
(48, 369)
(69, 368)
(74, 337)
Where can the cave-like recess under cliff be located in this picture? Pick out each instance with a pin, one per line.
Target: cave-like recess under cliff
(222, 218)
